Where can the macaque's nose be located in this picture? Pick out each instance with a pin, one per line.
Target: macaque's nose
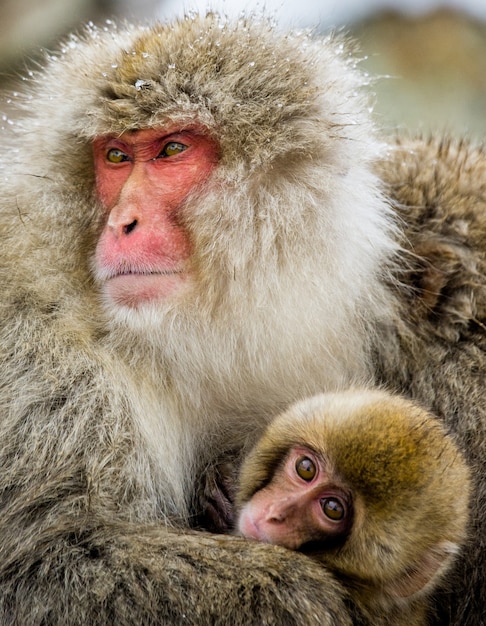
(278, 512)
(123, 220)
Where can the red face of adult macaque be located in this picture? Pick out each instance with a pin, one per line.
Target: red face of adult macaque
(142, 179)
(301, 504)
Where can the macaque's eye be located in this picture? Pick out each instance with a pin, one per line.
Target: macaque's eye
(114, 155)
(172, 148)
(333, 509)
(305, 468)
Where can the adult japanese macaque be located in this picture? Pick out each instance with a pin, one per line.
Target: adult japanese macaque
(368, 484)
(198, 228)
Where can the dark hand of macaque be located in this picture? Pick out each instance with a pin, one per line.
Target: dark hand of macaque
(143, 179)
(215, 496)
(303, 503)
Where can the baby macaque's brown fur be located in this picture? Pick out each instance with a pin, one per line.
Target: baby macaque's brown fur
(404, 483)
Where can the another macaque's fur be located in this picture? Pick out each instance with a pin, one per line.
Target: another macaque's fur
(409, 487)
(434, 348)
(108, 415)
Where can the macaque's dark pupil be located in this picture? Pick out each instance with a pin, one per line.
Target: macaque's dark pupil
(305, 468)
(332, 508)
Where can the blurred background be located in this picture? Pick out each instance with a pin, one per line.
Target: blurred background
(429, 55)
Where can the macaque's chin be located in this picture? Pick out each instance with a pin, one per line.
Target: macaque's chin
(135, 290)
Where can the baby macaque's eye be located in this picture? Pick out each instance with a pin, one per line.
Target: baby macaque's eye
(305, 468)
(333, 509)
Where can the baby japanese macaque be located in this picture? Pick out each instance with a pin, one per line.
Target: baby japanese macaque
(368, 483)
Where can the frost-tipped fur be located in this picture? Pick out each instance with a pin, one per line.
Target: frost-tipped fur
(108, 416)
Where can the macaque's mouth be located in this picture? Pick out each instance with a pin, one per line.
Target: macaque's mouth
(132, 288)
(142, 273)
(107, 274)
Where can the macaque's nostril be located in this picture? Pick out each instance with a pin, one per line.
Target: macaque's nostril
(129, 227)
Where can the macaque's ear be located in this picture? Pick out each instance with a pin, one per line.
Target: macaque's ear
(422, 572)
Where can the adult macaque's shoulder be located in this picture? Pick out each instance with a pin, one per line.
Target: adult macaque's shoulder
(437, 188)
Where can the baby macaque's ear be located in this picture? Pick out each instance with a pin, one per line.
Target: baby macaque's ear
(417, 576)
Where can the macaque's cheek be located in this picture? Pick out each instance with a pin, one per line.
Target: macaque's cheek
(108, 188)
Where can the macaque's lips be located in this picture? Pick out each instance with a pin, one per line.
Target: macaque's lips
(168, 272)
(133, 288)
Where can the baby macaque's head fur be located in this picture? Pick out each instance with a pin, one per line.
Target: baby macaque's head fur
(408, 482)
